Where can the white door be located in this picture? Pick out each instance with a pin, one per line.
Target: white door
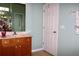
(50, 28)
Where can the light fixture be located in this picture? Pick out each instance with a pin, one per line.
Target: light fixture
(4, 9)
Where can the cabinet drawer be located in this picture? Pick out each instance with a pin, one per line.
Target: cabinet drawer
(7, 51)
(16, 46)
(8, 42)
(21, 41)
(29, 43)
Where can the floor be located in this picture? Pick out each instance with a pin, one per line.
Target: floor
(41, 53)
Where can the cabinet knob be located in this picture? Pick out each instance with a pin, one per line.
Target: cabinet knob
(15, 46)
(20, 46)
(5, 42)
(17, 40)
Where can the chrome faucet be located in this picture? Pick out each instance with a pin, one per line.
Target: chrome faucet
(14, 33)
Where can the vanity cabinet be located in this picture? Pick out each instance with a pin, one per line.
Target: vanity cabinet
(16, 46)
(23, 47)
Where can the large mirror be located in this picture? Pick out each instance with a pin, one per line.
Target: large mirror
(12, 15)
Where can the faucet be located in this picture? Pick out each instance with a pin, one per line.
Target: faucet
(14, 33)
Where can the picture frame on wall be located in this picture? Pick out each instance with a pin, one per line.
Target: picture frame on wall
(77, 21)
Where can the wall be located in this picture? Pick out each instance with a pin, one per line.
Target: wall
(34, 18)
(68, 44)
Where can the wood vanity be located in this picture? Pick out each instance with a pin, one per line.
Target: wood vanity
(16, 45)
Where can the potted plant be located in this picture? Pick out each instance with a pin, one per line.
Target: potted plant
(4, 27)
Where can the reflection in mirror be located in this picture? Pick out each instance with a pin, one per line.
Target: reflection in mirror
(12, 17)
(5, 18)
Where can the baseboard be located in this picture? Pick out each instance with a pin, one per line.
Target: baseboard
(37, 50)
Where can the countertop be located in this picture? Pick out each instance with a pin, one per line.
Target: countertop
(18, 35)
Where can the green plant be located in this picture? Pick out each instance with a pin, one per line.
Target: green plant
(4, 26)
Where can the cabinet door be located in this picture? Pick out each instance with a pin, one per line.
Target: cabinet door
(7, 51)
(0, 47)
(20, 51)
(23, 48)
(17, 51)
(26, 47)
(19, 48)
(29, 47)
(24, 51)
(7, 48)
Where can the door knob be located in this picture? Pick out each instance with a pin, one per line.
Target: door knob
(54, 31)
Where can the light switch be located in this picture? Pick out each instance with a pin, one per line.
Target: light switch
(62, 27)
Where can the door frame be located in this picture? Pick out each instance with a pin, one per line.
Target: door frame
(46, 4)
